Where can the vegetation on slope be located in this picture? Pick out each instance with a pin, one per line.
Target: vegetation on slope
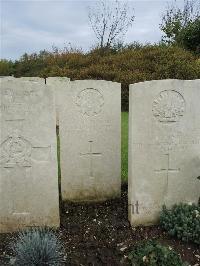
(125, 64)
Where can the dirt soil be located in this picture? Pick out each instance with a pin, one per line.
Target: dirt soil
(100, 234)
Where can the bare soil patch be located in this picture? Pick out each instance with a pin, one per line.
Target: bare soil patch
(100, 234)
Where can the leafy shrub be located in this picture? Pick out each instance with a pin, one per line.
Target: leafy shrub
(127, 65)
(36, 247)
(6, 67)
(154, 254)
(182, 221)
(189, 37)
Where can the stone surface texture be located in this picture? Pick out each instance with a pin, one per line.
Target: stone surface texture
(164, 147)
(58, 84)
(33, 79)
(28, 156)
(90, 138)
(6, 78)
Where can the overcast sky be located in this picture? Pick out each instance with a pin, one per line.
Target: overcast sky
(31, 26)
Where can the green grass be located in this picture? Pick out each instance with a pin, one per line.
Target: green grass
(124, 149)
(58, 156)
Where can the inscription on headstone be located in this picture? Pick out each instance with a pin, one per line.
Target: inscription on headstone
(90, 140)
(28, 161)
(164, 146)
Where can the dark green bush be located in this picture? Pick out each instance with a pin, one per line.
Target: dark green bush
(154, 254)
(6, 68)
(189, 37)
(182, 221)
(37, 247)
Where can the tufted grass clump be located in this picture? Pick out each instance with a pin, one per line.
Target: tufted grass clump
(182, 221)
(153, 253)
(37, 247)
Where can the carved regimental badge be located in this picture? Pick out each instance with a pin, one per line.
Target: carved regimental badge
(15, 150)
(90, 101)
(169, 106)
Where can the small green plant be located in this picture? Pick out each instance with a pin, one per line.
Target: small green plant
(37, 247)
(153, 253)
(182, 221)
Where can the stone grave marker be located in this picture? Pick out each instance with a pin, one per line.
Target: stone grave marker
(90, 137)
(58, 84)
(28, 157)
(164, 147)
(32, 79)
(6, 78)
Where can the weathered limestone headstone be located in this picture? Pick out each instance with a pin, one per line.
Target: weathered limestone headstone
(32, 79)
(6, 78)
(90, 136)
(164, 147)
(28, 157)
(58, 79)
(58, 84)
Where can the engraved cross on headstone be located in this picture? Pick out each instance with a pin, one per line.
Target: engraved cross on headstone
(167, 169)
(91, 154)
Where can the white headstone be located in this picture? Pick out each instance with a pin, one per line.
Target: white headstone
(54, 82)
(32, 79)
(6, 78)
(28, 157)
(164, 147)
(58, 79)
(90, 136)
